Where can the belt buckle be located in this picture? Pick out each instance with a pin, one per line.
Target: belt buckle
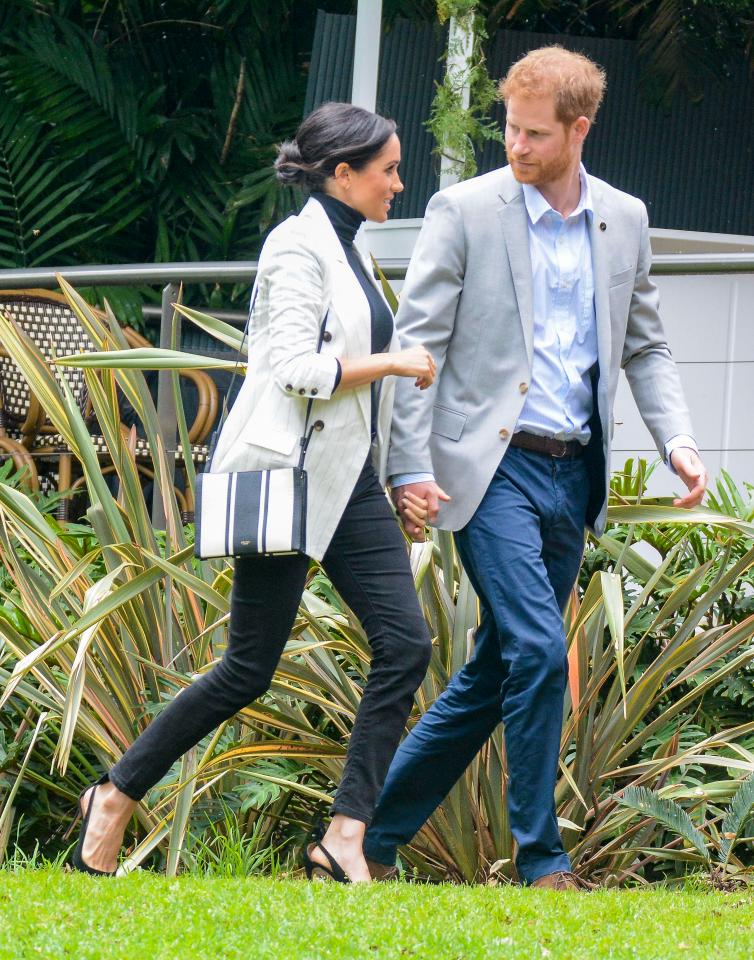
(563, 449)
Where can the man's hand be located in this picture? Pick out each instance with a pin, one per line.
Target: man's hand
(418, 504)
(690, 469)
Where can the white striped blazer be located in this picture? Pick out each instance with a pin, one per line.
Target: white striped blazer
(303, 278)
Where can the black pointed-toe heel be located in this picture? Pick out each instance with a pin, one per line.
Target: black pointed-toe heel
(318, 871)
(77, 858)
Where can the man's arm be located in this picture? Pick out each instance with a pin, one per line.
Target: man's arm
(426, 316)
(655, 382)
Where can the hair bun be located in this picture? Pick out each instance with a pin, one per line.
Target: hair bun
(289, 164)
(334, 133)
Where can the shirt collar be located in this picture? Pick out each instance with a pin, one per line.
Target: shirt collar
(537, 206)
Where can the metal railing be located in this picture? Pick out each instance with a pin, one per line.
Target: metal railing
(171, 275)
(245, 270)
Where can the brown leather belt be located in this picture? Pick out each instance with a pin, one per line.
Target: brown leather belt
(549, 446)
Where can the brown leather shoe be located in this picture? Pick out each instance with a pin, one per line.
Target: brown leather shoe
(561, 880)
(381, 871)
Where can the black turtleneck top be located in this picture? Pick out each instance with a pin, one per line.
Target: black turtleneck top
(346, 221)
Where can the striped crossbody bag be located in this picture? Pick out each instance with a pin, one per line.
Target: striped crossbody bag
(253, 511)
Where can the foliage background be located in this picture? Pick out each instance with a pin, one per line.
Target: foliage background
(139, 131)
(127, 136)
(104, 621)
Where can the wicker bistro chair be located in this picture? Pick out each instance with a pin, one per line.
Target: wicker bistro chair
(18, 453)
(26, 433)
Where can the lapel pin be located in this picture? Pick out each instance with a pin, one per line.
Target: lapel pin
(603, 226)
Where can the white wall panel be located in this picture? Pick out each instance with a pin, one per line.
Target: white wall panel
(739, 431)
(688, 305)
(742, 311)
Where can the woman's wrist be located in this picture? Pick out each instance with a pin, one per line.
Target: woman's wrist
(391, 364)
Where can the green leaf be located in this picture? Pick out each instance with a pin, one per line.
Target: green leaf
(224, 332)
(738, 814)
(666, 812)
(144, 358)
(612, 591)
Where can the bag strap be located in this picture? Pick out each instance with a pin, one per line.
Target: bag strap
(307, 434)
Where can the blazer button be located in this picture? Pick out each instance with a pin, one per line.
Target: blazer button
(314, 391)
(523, 387)
(318, 425)
(327, 336)
(302, 392)
(504, 434)
(289, 387)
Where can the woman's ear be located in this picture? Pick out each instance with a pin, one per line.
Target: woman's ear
(342, 175)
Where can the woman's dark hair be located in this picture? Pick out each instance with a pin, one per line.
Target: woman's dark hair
(334, 133)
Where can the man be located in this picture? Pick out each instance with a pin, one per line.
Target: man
(530, 286)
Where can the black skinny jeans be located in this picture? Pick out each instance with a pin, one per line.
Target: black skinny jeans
(367, 563)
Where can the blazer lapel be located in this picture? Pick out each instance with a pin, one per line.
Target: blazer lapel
(316, 222)
(345, 296)
(515, 224)
(385, 389)
(598, 231)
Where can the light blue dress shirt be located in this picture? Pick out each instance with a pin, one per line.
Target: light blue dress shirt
(559, 401)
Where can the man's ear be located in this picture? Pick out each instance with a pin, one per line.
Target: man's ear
(580, 128)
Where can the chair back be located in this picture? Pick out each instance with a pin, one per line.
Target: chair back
(45, 318)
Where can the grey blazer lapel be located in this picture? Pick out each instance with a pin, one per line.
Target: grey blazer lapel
(601, 269)
(515, 223)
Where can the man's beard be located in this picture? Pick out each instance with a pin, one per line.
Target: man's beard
(539, 172)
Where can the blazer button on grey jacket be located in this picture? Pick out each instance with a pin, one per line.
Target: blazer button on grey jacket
(304, 277)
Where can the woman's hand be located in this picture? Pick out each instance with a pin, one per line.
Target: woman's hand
(415, 362)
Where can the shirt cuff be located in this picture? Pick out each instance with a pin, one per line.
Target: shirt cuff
(401, 479)
(680, 440)
(338, 375)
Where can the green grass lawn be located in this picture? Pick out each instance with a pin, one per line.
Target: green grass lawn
(50, 915)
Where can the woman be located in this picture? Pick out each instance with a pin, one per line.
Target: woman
(320, 329)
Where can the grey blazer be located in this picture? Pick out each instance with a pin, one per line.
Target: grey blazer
(304, 277)
(468, 299)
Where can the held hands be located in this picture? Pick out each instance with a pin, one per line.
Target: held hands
(690, 469)
(418, 504)
(415, 362)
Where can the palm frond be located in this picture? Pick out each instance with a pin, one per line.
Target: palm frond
(667, 812)
(67, 80)
(682, 43)
(40, 199)
(738, 814)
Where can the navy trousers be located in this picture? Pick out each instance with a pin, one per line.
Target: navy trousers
(522, 550)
